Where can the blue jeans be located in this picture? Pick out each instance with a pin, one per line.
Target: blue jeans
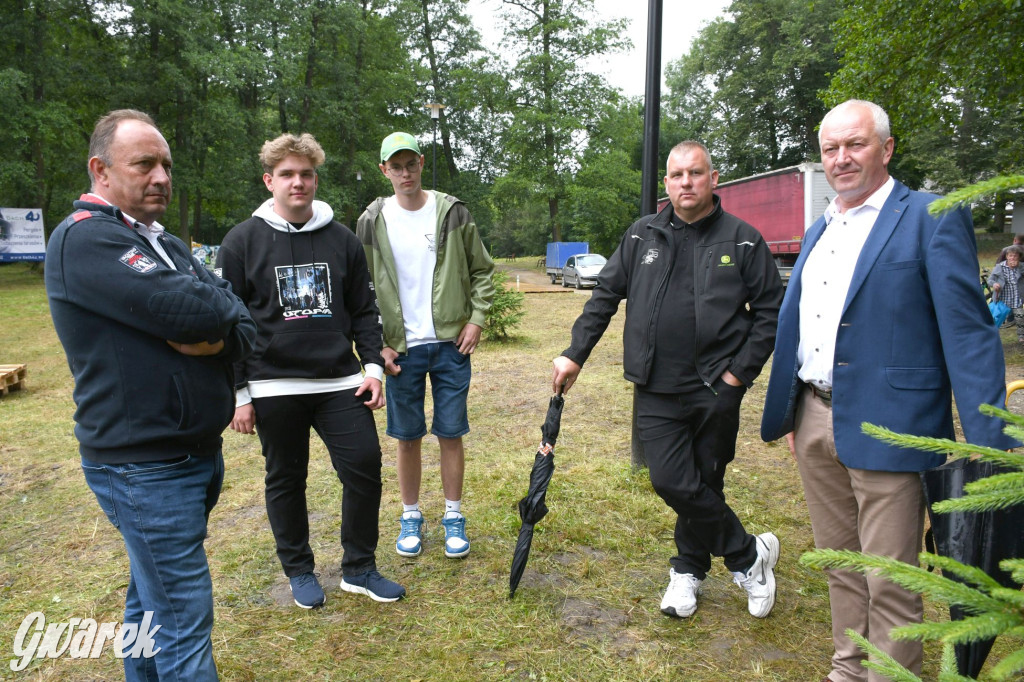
(161, 510)
(449, 372)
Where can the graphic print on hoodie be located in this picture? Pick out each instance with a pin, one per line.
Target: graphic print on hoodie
(304, 290)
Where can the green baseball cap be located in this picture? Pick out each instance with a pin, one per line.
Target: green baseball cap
(396, 142)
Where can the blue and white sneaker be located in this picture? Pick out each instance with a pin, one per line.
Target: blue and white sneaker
(456, 544)
(410, 539)
(306, 591)
(373, 585)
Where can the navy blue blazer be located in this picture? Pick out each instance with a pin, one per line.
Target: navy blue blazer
(914, 328)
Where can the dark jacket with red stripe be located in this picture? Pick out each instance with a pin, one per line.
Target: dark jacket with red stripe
(115, 303)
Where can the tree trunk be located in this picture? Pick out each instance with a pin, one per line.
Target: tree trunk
(435, 80)
(556, 229)
(999, 214)
(311, 62)
(183, 231)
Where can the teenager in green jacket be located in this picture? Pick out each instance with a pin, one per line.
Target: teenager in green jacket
(432, 276)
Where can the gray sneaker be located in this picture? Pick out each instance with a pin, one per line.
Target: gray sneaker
(759, 580)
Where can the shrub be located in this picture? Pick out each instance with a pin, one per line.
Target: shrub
(506, 310)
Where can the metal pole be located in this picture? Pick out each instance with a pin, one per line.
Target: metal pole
(649, 183)
(652, 110)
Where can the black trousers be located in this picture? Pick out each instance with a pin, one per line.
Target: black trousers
(689, 439)
(347, 428)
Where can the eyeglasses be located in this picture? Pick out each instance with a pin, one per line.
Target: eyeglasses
(413, 167)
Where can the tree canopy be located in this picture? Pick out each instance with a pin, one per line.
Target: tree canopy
(749, 85)
(536, 142)
(951, 77)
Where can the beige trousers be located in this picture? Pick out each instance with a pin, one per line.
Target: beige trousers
(876, 512)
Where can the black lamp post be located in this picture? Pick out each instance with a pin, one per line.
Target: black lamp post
(435, 114)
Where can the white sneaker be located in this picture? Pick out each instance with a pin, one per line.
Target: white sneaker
(759, 579)
(680, 598)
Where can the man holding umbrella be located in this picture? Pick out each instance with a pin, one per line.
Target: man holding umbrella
(704, 297)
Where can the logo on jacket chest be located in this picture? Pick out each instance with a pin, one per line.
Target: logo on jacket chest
(650, 256)
(304, 290)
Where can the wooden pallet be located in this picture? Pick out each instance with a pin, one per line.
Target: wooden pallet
(12, 378)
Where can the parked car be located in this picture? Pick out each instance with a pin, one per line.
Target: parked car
(559, 253)
(582, 270)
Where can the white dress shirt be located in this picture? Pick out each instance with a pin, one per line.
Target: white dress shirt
(825, 283)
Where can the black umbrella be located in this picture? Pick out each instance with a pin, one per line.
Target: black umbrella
(981, 539)
(532, 507)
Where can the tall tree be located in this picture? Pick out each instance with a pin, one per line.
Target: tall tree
(442, 34)
(748, 87)
(174, 49)
(951, 77)
(57, 64)
(553, 97)
(603, 198)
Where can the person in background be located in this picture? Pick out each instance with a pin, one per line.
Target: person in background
(1005, 281)
(150, 336)
(303, 276)
(1018, 240)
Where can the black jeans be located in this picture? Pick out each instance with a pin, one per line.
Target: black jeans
(347, 428)
(689, 439)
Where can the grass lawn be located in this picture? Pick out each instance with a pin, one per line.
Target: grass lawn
(587, 608)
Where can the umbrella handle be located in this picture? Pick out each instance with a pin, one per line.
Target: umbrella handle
(561, 388)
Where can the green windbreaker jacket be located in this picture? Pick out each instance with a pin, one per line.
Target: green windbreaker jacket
(462, 277)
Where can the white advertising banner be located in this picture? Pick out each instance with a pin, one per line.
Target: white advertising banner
(21, 235)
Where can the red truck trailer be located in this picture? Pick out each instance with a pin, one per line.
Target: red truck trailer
(781, 204)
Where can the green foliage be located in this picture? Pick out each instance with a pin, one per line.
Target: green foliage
(551, 97)
(220, 78)
(971, 193)
(603, 198)
(506, 310)
(951, 77)
(992, 610)
(748, 87)
(521, 224)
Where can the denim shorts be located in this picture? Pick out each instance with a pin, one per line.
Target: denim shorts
(449, 372)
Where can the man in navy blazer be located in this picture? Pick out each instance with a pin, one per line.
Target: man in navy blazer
(883, 320)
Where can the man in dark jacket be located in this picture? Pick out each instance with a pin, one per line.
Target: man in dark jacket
(150, 336)
(304, 278)
(704, 298)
